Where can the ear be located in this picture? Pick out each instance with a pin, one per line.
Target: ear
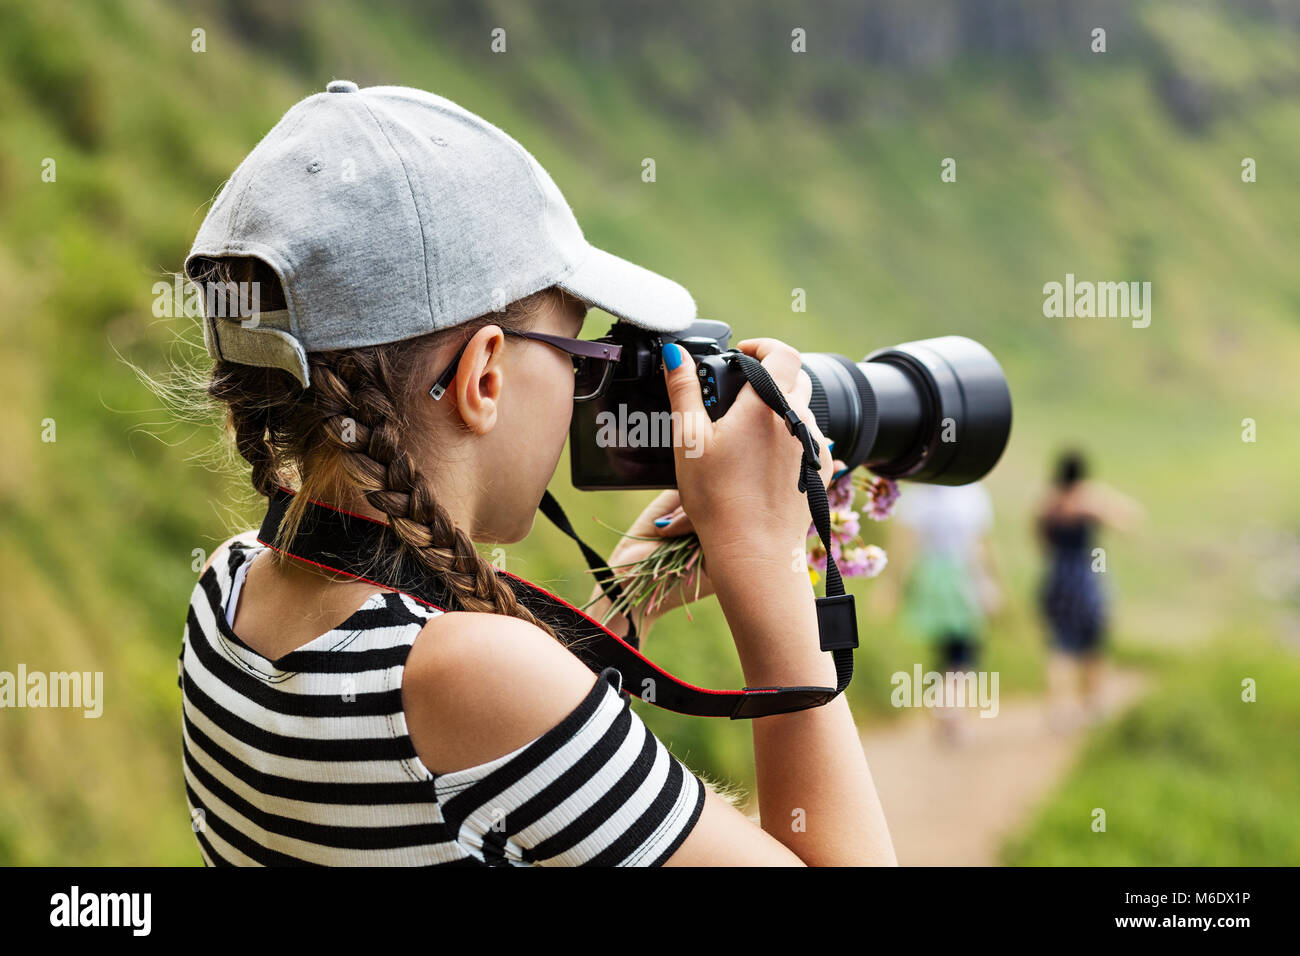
(480, 379)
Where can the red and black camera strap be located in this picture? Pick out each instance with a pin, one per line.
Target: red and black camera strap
(362, 548)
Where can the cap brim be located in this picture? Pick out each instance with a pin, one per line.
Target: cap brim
(637, 295)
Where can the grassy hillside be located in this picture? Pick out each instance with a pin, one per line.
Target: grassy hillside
(774, 171)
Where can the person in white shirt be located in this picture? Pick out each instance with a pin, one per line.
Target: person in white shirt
(942, 540)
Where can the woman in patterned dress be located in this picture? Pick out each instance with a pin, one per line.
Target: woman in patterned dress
(1072, 596)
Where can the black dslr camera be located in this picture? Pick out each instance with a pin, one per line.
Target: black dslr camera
(936, 410)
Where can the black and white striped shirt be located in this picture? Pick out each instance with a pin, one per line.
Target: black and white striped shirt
(305, 760)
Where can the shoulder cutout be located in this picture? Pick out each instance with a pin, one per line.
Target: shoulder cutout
(478, 686)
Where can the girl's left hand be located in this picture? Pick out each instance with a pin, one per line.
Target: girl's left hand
(667, 504)
(634, 547)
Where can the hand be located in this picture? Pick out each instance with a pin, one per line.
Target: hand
(634, 547)
(738, 475)
(749, 420)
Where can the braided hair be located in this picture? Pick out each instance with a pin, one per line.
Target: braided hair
(346, 435)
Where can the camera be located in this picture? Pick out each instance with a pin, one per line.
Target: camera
(935, 410)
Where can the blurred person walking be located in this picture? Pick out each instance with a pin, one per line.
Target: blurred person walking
(1071, 596)
(942, 539)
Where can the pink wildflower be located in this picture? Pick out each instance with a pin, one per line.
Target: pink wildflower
(863, 562)
(882, 495)
(845, 525)
(841, 493)
(817, 555)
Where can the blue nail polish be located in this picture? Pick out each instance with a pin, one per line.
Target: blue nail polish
(672, 355)
(836, 476)
(663, 522)
(830, 443)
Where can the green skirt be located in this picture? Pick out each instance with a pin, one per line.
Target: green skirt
(939, 600)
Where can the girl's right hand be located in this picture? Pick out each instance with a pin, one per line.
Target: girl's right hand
(738, 477)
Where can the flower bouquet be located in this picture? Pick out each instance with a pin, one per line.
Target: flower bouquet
(676, 563)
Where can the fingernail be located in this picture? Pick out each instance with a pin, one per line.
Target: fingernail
(830, 443)
(663, 522)
(672, 355)
(842, 471)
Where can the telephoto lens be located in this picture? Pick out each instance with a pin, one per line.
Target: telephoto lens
(935, 410)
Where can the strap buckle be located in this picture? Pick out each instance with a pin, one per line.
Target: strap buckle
(811, 450)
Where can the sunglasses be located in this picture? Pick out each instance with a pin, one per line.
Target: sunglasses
(593, 363)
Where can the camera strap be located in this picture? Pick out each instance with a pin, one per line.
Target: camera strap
(352, 545)
(837, 620)
(356, 546)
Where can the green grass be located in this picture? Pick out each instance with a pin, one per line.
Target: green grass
(1193, 776)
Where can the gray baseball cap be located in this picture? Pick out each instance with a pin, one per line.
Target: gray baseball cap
(387, 213)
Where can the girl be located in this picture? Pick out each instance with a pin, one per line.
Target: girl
(412, 358)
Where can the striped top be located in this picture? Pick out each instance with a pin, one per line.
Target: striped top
(305, 760)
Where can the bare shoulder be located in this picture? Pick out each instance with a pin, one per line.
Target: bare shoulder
(248, 537)
(1110, 505)
(1089, 498)
(478, 686)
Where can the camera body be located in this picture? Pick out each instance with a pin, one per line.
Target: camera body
(936, 410)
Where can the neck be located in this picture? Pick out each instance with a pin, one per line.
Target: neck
(457, 496)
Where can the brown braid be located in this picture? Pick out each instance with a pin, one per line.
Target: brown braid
(355, 400)
(347, 432)
(251, 423)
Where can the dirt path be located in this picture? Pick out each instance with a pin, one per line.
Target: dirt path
(954, 805)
